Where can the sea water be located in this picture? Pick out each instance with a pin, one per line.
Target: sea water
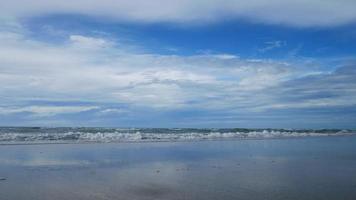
(82, 135)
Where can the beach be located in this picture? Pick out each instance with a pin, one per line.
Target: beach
(178, 100)
(289, 168)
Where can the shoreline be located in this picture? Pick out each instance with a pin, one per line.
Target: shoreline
(175, 141)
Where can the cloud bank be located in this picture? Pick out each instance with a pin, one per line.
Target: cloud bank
(300, 13)
(102, 78)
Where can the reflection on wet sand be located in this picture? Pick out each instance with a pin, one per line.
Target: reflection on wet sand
(309, 168)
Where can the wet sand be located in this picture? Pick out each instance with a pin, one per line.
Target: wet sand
(300, 168)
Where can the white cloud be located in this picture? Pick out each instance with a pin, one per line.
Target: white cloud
(46, 110)
(35, 70)
(80, 41)
(112, 111)
(288, 12)
(97, 70)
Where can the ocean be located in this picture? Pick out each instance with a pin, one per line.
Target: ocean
(84, 134)
(206, 164)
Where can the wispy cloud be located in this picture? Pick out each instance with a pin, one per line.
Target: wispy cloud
(70, 71)
(46, 110)
(270, 45)
(104, 73)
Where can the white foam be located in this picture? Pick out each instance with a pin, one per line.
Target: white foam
(120, 135)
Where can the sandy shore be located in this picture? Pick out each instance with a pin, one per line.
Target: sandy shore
(304, 168)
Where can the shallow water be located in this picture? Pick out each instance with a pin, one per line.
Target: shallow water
(299, 168)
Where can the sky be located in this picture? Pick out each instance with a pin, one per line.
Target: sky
(178, 63)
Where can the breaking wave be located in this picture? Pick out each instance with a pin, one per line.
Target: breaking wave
(77, 135)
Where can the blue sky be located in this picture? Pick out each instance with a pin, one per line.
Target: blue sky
(231, 63)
